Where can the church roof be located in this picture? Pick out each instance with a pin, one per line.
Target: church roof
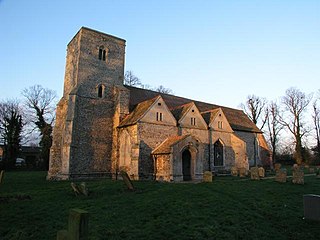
(179, 111)
(138, 112)
(237, 119)
(165, 146)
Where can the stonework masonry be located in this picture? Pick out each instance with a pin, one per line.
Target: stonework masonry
(103, 126)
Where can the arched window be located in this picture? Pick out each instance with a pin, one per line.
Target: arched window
(102, 53)
(101, 88)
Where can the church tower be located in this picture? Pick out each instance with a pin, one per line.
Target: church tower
(85, 117)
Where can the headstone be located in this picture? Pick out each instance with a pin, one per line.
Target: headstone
(77, 226)
(242, 172)
(83, 189)
(261, 172)
(311, 207)
(127, 180)
(1, 176)
(207, 176)
(277, 166)
(234, 171)
(297, 176)
(75, 189)
(254, 173)
(311, 170)
(281, 175)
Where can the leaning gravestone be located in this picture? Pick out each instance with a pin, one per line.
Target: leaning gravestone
(1, 176)
(207, 176)
(127, 180)
(262, 172)
(311, 207)
(234, 171)
(281, 175)
(297, 176)
(254, 173)
(242, 172)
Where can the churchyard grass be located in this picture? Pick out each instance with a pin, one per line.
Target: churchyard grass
(227, 208)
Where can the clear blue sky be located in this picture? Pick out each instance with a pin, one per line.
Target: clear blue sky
(214, 51)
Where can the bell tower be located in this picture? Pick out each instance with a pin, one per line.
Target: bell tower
(84, 129)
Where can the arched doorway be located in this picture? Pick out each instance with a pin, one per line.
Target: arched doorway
(218, 153)
(186, 165)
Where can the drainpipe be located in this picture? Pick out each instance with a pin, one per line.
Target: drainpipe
(255, 150)
(210, 146)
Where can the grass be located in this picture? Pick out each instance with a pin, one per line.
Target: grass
(33, 208)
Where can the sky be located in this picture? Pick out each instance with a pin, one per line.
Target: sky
(217, 51)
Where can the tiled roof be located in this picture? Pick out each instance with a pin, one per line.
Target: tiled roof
(237, 119)
(138, 112)
(208, 116)
(179, 111)
(165, 146)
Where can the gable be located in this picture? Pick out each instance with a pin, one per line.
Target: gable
(237, 119)
(158, 113)
(219, 122)
(192, 118)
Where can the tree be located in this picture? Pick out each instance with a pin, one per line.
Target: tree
(274, 127)
(255, 110)
(295, 104)
(11, 126)
(162, 89)
(316, 122)
(131, 80)
(40, 101)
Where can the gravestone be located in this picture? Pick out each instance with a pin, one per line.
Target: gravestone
(1, 176)
(261, 172)
(207, 176)
(311, 170)
(242, 172)
(311, 207)
(77, 226)
(127, 180)
(281, 175)
(277, 166)
(254, 173)
(297, 176)
(234, 171)
(80, 189)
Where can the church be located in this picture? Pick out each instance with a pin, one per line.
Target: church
(103, 126)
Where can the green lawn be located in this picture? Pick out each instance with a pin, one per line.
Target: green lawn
(228, 208)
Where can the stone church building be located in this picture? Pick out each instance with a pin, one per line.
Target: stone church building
(103, 126)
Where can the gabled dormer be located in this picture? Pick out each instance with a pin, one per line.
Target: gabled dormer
(158, 113)
(188, 115)
(217, 120)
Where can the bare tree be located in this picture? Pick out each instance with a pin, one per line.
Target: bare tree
(162, 89)
(11, 126)
(255, 108)
(41, 101)
(131, 80)
(316, 121)
(274, 127)
(295, 104)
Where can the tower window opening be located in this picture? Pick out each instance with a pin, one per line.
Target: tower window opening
(220, 125)
(100, 91)
(104, 55)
